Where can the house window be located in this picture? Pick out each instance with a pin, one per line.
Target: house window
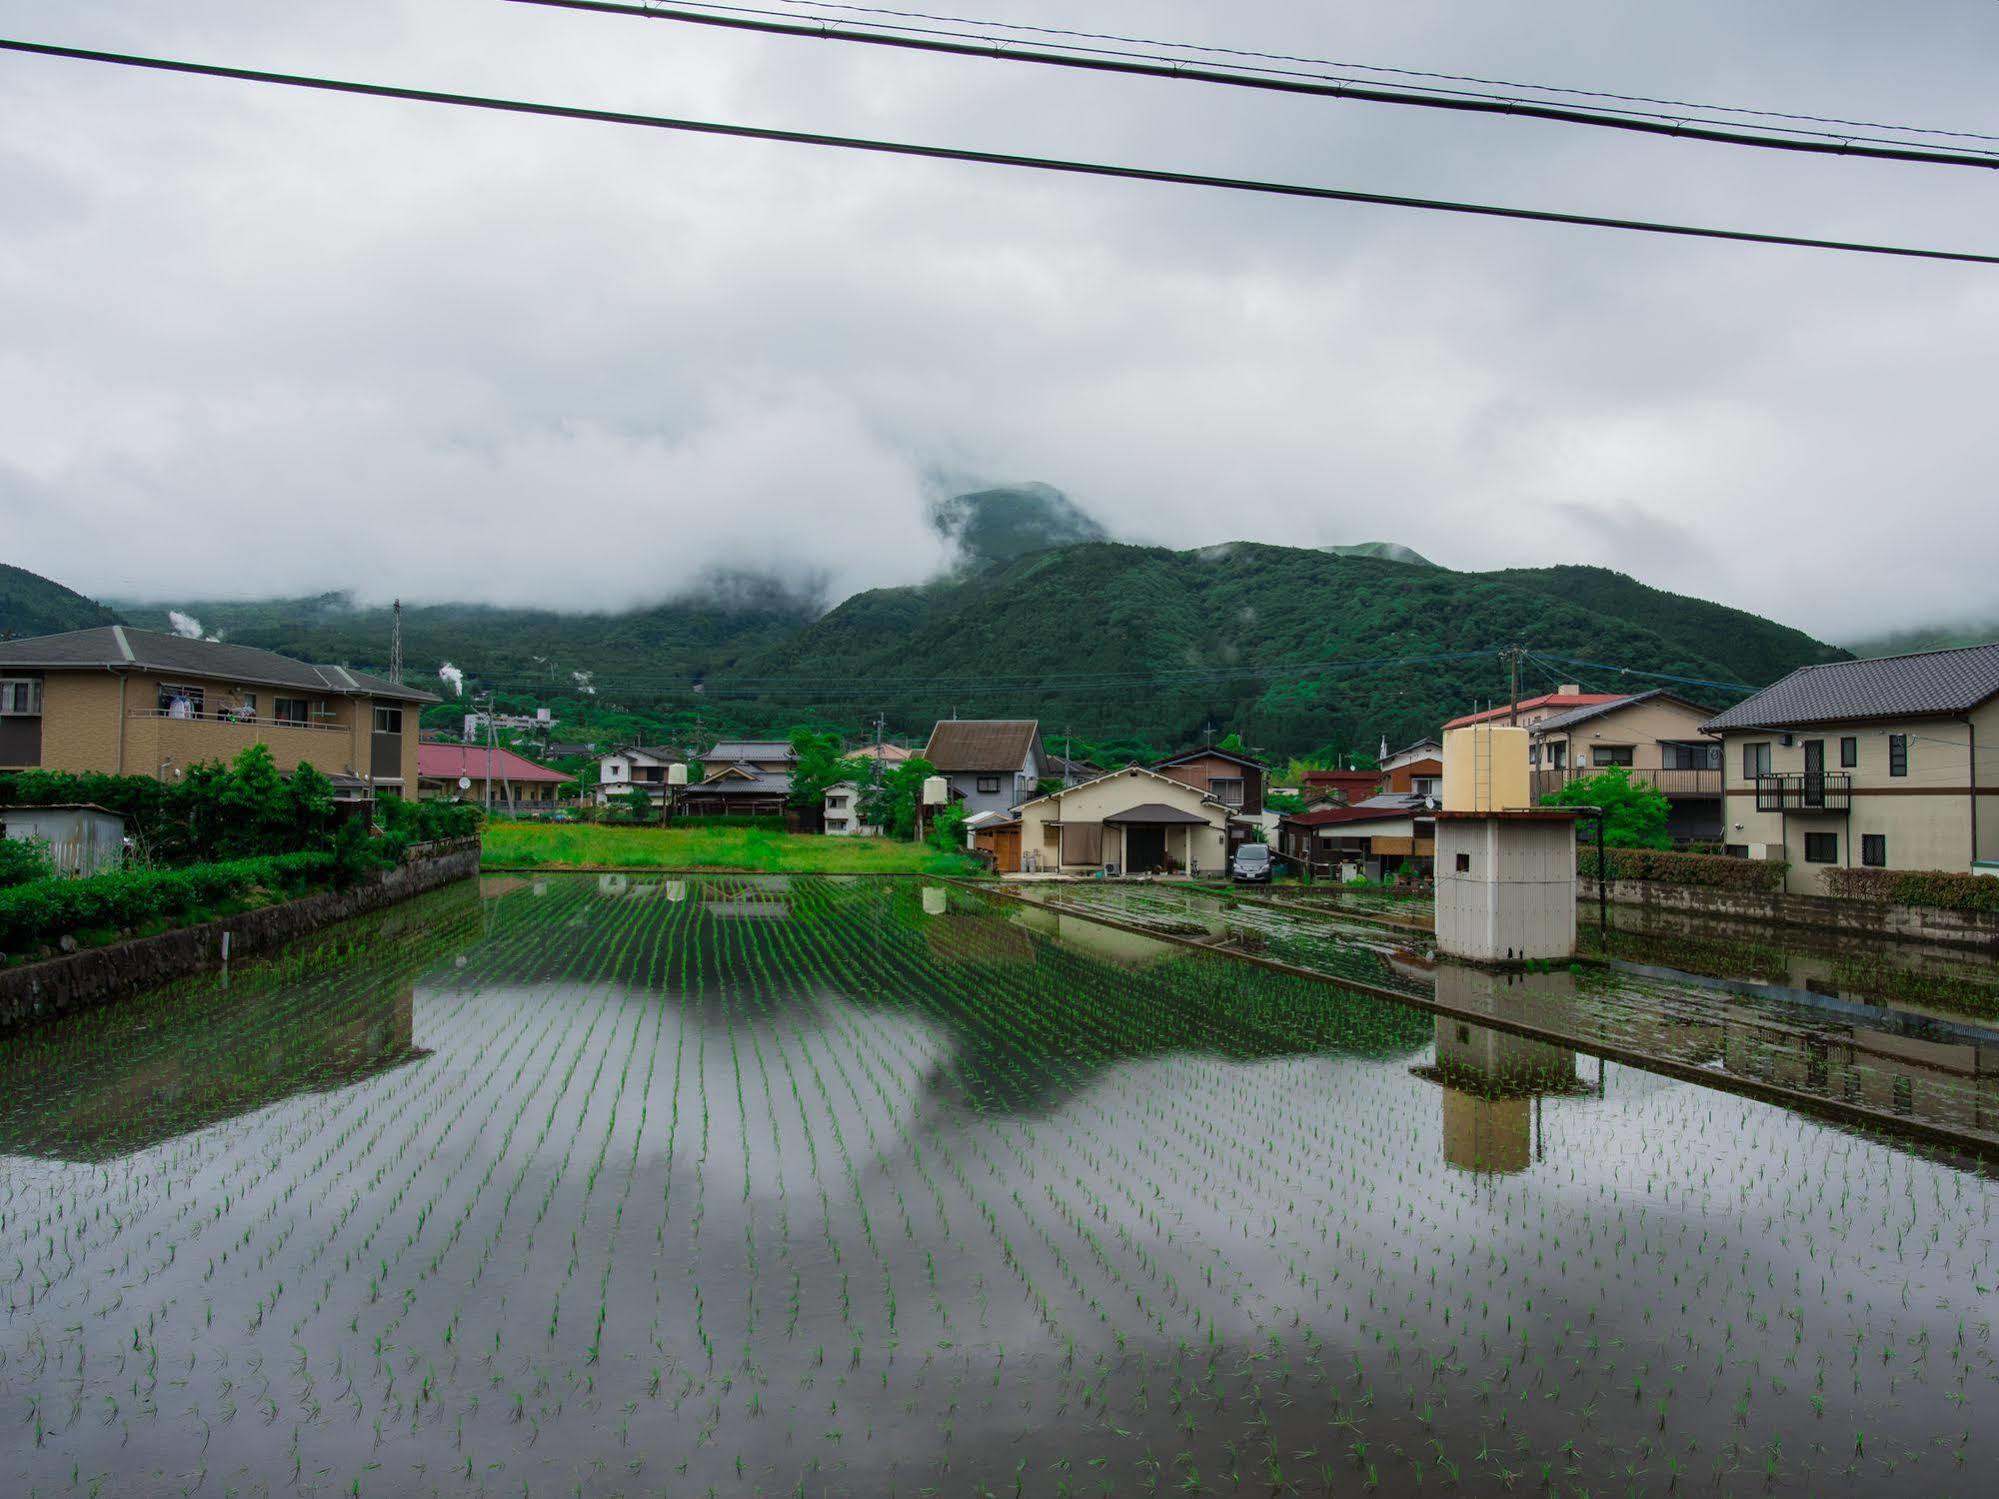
(1423, 785)
(388, 720)
(20, 697)
(1849, 752)
(1898, 754)
(1691, 756)
(1755, 760)
(989, 785)
(1821, 848)
(1610, 754)
(1874, 850)
(1464, 863)
(1558, 755)
(1226, 789)
(176, 701)
(292, 710)
(1735, 850)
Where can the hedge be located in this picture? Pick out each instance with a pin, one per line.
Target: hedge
(1708, 871)
(1941, 889)
(41, 913)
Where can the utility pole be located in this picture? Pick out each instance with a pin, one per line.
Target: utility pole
(396, 644)
(489, 754)
(1513, 704)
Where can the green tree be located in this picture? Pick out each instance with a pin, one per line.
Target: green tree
(820, 763)
(23, 860)
(891, 804)
(254, 807)
(314, 817)
(947, 830)
(638, 805)
(1634, 812)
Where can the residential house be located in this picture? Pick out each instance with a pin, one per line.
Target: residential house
(1132, 821)
(1236, 781)
(1071, 771)
(991, 764)
(1654, 736)
(1409, 755)
(1531, 710)
(1888, 763)
(842, 815)
(640, 766)
(491, 777)
(1417, 775)
(138, 702)
(742, 778)
(1380, 839)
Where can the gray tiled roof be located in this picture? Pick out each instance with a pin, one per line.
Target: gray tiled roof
(1924, 684)
(1584, 714)
(750, 749)
(123, 648)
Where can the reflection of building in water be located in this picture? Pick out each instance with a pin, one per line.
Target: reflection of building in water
(1493, 1081)
(963, 938)
(1109, 943)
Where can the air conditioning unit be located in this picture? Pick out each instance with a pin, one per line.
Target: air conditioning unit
(1787, 740)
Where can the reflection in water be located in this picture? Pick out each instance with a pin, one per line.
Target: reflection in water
(189, 1056)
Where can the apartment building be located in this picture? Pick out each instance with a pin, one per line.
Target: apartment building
(1890, 763)
(122, 701)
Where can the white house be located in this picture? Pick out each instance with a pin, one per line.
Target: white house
(1135, 821)
(637, 766)
(842, 811)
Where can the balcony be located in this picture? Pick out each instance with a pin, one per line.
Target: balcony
(1673, 782)
(1815, 791)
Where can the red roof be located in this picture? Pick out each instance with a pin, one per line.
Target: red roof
(1561, 700)
(1345, 777)
(447, 762)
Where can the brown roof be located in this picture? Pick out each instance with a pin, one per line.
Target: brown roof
(960, 746)
(123, 648)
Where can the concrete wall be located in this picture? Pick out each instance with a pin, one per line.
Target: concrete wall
(1974, 929)
(1925, 816)
(104, 975)
(1516, 898)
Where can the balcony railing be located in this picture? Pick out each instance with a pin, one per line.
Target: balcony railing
(1673, 782)
(257, 721)
(1807, 791)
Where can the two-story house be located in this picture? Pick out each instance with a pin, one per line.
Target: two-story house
(743, 778)
(991, 764)
(842, 815)
(138, 702)
(1531, 710)
(1655, 737)
(637, 765)
(1889, 763)
(1236, 781)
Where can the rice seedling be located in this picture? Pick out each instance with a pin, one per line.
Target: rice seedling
(804, 1186)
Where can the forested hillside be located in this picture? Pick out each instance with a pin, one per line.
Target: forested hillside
(33, 605)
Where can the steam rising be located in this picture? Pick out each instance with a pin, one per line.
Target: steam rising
(452, 677)
(185, 625)
(582, 680)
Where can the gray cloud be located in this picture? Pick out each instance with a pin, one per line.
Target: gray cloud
(263, 342)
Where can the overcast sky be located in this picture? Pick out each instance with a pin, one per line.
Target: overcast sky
(258, 341)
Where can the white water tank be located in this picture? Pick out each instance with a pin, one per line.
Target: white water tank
(936, 791)
(676, 775)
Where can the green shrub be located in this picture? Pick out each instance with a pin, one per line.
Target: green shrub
(41, 913)
(1939, 889)
(24, 859)
(408, 822)
(1709, 871)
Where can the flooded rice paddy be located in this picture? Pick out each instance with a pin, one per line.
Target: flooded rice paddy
(609, 1185)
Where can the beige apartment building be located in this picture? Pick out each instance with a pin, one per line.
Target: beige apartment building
(136, 702)
(1654, 736)
(1890, 763)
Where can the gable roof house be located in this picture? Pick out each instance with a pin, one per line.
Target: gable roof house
(1887, 763)
(1134, 821)
(1377, 838)
(138, 702)
(1654, 736)
(511, 781)
(1531, 710)
(637, 765)
(1236, 781)
(991, 764)
(1344, 787)
(742, 778)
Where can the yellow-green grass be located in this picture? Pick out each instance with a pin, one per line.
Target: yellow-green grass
(523, 845)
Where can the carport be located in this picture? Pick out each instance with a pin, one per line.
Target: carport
(1147, 833)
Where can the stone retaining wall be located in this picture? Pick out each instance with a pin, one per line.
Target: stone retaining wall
(1976, 929)
(103, 975)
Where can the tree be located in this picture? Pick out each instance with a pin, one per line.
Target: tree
(313, 814)
(947, 829)
(891, 804)
(255, 807)
(638, 805)
(819, 763)
(1232, 744)
(1634, 813)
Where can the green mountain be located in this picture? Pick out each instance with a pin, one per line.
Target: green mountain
(1387, 551)
(1744, 645)
(31, 604)
(1144, 641)
(997, 525)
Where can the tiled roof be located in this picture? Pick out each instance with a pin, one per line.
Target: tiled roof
(1218, 754)
(750, 749)
(1157, 814)
(1922, 685)
(1545, 700)
(1568, 720)
(122, 648)
(1329, 815)
(960, 746)
(447, 762)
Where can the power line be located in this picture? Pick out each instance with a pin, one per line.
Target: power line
(742, 18)
(987, 158)
(1361, 67)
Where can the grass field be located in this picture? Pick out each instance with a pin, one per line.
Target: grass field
(521, 845)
